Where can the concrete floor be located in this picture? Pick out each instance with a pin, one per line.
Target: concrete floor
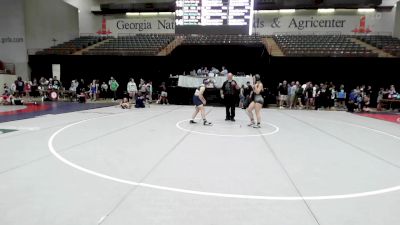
(149, 166)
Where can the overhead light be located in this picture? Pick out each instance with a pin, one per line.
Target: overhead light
(267, 11)
(287, 10)
(148, 14)
(132, 14)
(366, 10)
(251, 17)
(165, 13)
(326, 10)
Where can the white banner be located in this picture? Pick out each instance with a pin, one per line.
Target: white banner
(267, 24)
(155, 25)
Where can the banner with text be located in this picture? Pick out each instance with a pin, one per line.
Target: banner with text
(266, 24)
(158, 25)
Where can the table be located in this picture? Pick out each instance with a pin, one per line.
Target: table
(389, 102)
(195, 82)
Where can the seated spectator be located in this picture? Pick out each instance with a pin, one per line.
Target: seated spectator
(140, 100)
(392, 92)
(364, 104)
(82, 97)
(199, 71)
(214, 70)
(352, 104)
(6, 98)
(224, 71)
(6, 88)
(17, 100)
(125, 103)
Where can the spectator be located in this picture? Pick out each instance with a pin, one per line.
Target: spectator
(332, 97)
(34, 88)
(352, 103)
(309, 95)
(241, 97)
(341, 97)
(322, 97)
(142, 87)
(104, 91)
(140, 99)
(224, 71)
(381, 94)
(43, 86)
(19, 86)
(28, 88)
(292, 94)
(392, 92)
(132, 89)
(6, 88)
(114, 87)
(283, 94)
(199, 71)
(81, 86)
(82, 97)
(56, 84)
(13, 88)
(94, 89)
(163, 94)
(73, 89)
(149, 87)
(299, 95)
(125, 103)
(6, 98)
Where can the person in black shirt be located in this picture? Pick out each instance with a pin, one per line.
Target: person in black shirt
(283, 94)
(247, 95)
(228, 94)
(56, 84)
(20, 85)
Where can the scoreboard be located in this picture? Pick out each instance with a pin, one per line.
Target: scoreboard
(214, 12)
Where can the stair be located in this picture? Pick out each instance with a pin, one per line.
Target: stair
(380, 52)
(171, 46)
(272, 48)
(91, 47)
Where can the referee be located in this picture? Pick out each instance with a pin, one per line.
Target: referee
(229, 92)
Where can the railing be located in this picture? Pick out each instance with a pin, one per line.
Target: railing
(9, 68)
(33, 51)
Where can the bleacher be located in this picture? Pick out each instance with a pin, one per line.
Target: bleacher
(141, 44)
(388, 44)
(72, 46)
(245, 40)
(321, 46)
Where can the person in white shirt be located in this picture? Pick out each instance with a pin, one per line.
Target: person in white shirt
(224, 71)
(214, 70)
(132, 88)
(72, 89)
(199, 72)
(104, 90)
(13, 88)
